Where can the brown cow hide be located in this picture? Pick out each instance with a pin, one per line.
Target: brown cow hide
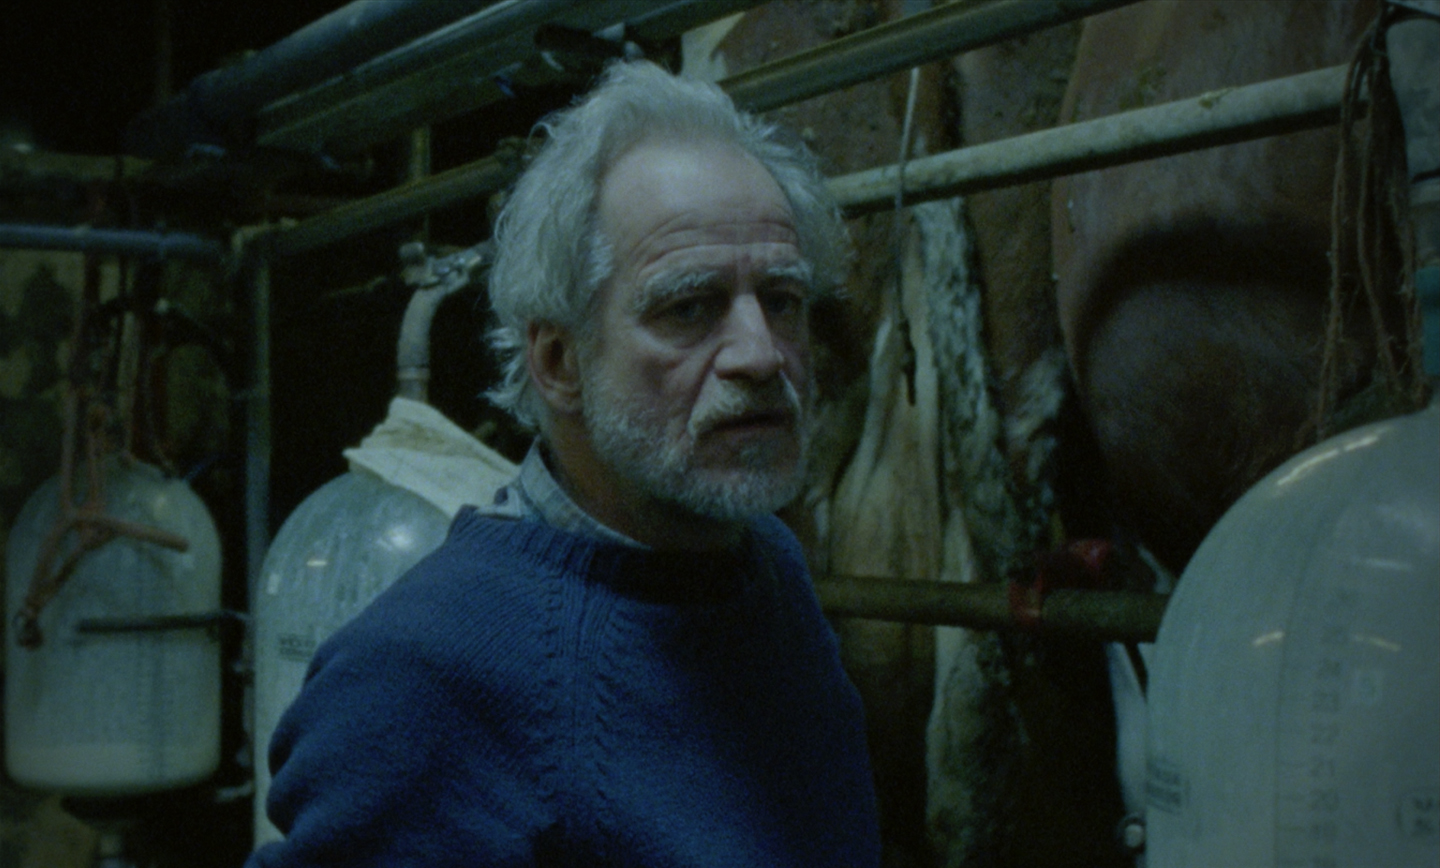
(1191, 289)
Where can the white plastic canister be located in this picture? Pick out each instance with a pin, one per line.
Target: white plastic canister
(1295, 693)
(351, 539)
(345, 543)
(116, 712)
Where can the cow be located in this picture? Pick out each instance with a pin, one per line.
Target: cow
(1192, 290)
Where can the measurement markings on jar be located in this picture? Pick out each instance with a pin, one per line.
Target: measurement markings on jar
(1311, 733)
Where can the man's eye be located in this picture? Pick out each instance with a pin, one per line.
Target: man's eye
(689, 311)
(782, 303)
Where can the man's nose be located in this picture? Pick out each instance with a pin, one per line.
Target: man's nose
(750, 347)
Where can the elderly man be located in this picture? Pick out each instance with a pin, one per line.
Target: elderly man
(621, 662)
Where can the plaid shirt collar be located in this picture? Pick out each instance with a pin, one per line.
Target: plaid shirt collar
(536, 494)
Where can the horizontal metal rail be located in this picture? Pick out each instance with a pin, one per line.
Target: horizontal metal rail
(396, 84)
(158, 623)
(164, 245)
(1220, 117)
(935, 34)
(24, 173)
(1111, 616)
(1226, 116)
(470, 181)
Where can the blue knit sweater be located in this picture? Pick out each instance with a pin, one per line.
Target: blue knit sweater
(528, 696)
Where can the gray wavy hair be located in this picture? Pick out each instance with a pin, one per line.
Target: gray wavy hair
(550, 257)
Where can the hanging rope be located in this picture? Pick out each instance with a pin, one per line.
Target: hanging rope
(908, 360)
(90, 419)
(1372, 251)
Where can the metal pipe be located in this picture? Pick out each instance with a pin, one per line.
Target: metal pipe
(480, 178)
(434, 279)
(156, 623)
(339, 109)
(1111, 616)
(1298, 102)
(164, 245)
(1219, 117)
(377, 94)
(257, 259)
(916, 39)
(213, 104)
(668, 20)
(412, 366)
(460, 68)
(1413, 46)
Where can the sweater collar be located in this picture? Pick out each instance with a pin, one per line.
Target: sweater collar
(648, 574)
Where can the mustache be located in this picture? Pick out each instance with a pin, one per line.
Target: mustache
(730, 402)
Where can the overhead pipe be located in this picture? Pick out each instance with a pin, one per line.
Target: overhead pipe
(937, 33)
(468, 64)
(358, 107)
(1109, 616)
(1219, 117)
(667, 20)
(163, 245)
(213, 106)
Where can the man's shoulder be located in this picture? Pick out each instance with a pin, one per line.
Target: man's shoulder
(482, 543)
(484, 570)
(475, 587)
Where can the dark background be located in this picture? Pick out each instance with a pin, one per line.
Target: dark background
(76, 71)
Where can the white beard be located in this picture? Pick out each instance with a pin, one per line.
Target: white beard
(756, 479)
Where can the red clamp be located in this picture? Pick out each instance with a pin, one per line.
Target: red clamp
(1080, 564)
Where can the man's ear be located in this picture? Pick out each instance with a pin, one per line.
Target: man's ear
(551, 354)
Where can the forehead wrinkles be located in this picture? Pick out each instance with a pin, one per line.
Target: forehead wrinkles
(685, 232)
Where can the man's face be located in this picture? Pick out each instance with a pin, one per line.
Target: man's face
(696, 381)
